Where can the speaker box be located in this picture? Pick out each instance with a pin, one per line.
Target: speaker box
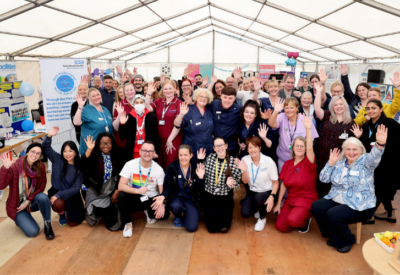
(376, 76)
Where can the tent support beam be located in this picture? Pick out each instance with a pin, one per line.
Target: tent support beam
(23, 9)
(213, 51)
(379, 6)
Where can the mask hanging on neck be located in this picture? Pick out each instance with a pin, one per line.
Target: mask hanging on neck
(139, 109)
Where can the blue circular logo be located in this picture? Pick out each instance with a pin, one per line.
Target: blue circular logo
(65, 83)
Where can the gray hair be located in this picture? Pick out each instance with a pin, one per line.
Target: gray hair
(346, 114)
(198, 91)
(97, 77)
(289, 76)
(306, 93)
(354, 141)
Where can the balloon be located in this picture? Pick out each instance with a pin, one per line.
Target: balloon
(293, 63)
(27, 125)
(289, 54)
(295, 55)
(288, 62)
(26, 89)
(96, 71)
(108, 71)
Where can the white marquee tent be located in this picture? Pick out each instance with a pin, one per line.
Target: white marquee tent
(225, 33)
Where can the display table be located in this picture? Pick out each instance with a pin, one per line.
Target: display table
(17, 141)
(377, 258)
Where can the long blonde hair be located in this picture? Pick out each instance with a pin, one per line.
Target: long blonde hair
(117, 98)
(346, 114)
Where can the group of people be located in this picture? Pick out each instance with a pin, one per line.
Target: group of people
(171, 146)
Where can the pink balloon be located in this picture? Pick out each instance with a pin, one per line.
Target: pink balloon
(295, 55)
(289, 54)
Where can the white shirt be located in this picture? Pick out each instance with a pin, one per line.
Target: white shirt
(131, 172)
(246, 95)
(267, 172)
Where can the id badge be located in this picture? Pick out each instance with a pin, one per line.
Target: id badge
(140, 141)
(290, 147)
(344, 136)
(198, 123)
(101, 119)
(107, 129)
(144, 198)
(161, 122)
(354, 173)
(253, 188)
(217, 190)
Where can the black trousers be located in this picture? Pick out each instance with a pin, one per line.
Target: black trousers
(333, 220)
(218, 211)
(110, 215)
(253, 202)
(387, 203)
(73, 206)
(130, 203)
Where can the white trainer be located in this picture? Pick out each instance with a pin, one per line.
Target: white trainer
(257, 215)
(260, 224)
(127, 230)
(149, 220)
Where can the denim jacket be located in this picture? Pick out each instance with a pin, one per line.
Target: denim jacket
(357, 187)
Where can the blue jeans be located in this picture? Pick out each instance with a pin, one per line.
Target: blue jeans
(26, 222)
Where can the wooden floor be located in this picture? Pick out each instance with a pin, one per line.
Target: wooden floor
(163, 249)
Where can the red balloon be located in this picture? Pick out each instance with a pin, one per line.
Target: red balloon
(289, 54)
(295, 55)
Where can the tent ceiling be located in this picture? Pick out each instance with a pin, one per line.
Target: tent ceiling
(126, 29)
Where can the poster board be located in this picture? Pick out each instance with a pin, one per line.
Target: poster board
(8, 71)
(60, 79)
(387, 92)
(13, 109)
(165, 69)
(206, 72)
(264, 71)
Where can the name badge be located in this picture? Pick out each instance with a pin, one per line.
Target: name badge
(161, 122)
(140, 141)
(179, 176)
(344, 136)
(107, 129)
(354, 173)
(144, 198)
(198, 123)
(217, 190)
(218, 112)
(100, 118)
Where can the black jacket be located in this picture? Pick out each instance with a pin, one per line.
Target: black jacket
(171, 186)
(127, 132)
(90, 169)
(385, 176)
(351, 98)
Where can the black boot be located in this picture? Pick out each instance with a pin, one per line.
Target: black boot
(48, 231)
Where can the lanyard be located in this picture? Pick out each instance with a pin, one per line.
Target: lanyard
(140, 129)
(253, 178)
(189, 181)
(291, 135)
(218, 178)
(102, 115)
(165, 109)
(148, 174)
(370, 132)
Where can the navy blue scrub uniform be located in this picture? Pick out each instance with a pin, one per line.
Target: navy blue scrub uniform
(226, 122)
(198, 130)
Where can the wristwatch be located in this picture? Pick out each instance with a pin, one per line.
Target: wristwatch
(274, 195)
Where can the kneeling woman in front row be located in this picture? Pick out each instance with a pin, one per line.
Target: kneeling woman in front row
(66, 181)
(221, 177)
(352, 196)
(27, 180)
(100, 167)
(183, 187)
(260, 172)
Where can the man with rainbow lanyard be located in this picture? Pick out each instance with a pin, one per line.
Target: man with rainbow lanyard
(141, 181)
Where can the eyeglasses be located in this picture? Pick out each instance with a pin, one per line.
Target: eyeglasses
(203, 97)
(147, 152)
(108, 144)
(35, 153)
(219, 146)
(186, 86)
(299, 146)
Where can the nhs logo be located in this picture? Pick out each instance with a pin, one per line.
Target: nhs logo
(80, 62)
